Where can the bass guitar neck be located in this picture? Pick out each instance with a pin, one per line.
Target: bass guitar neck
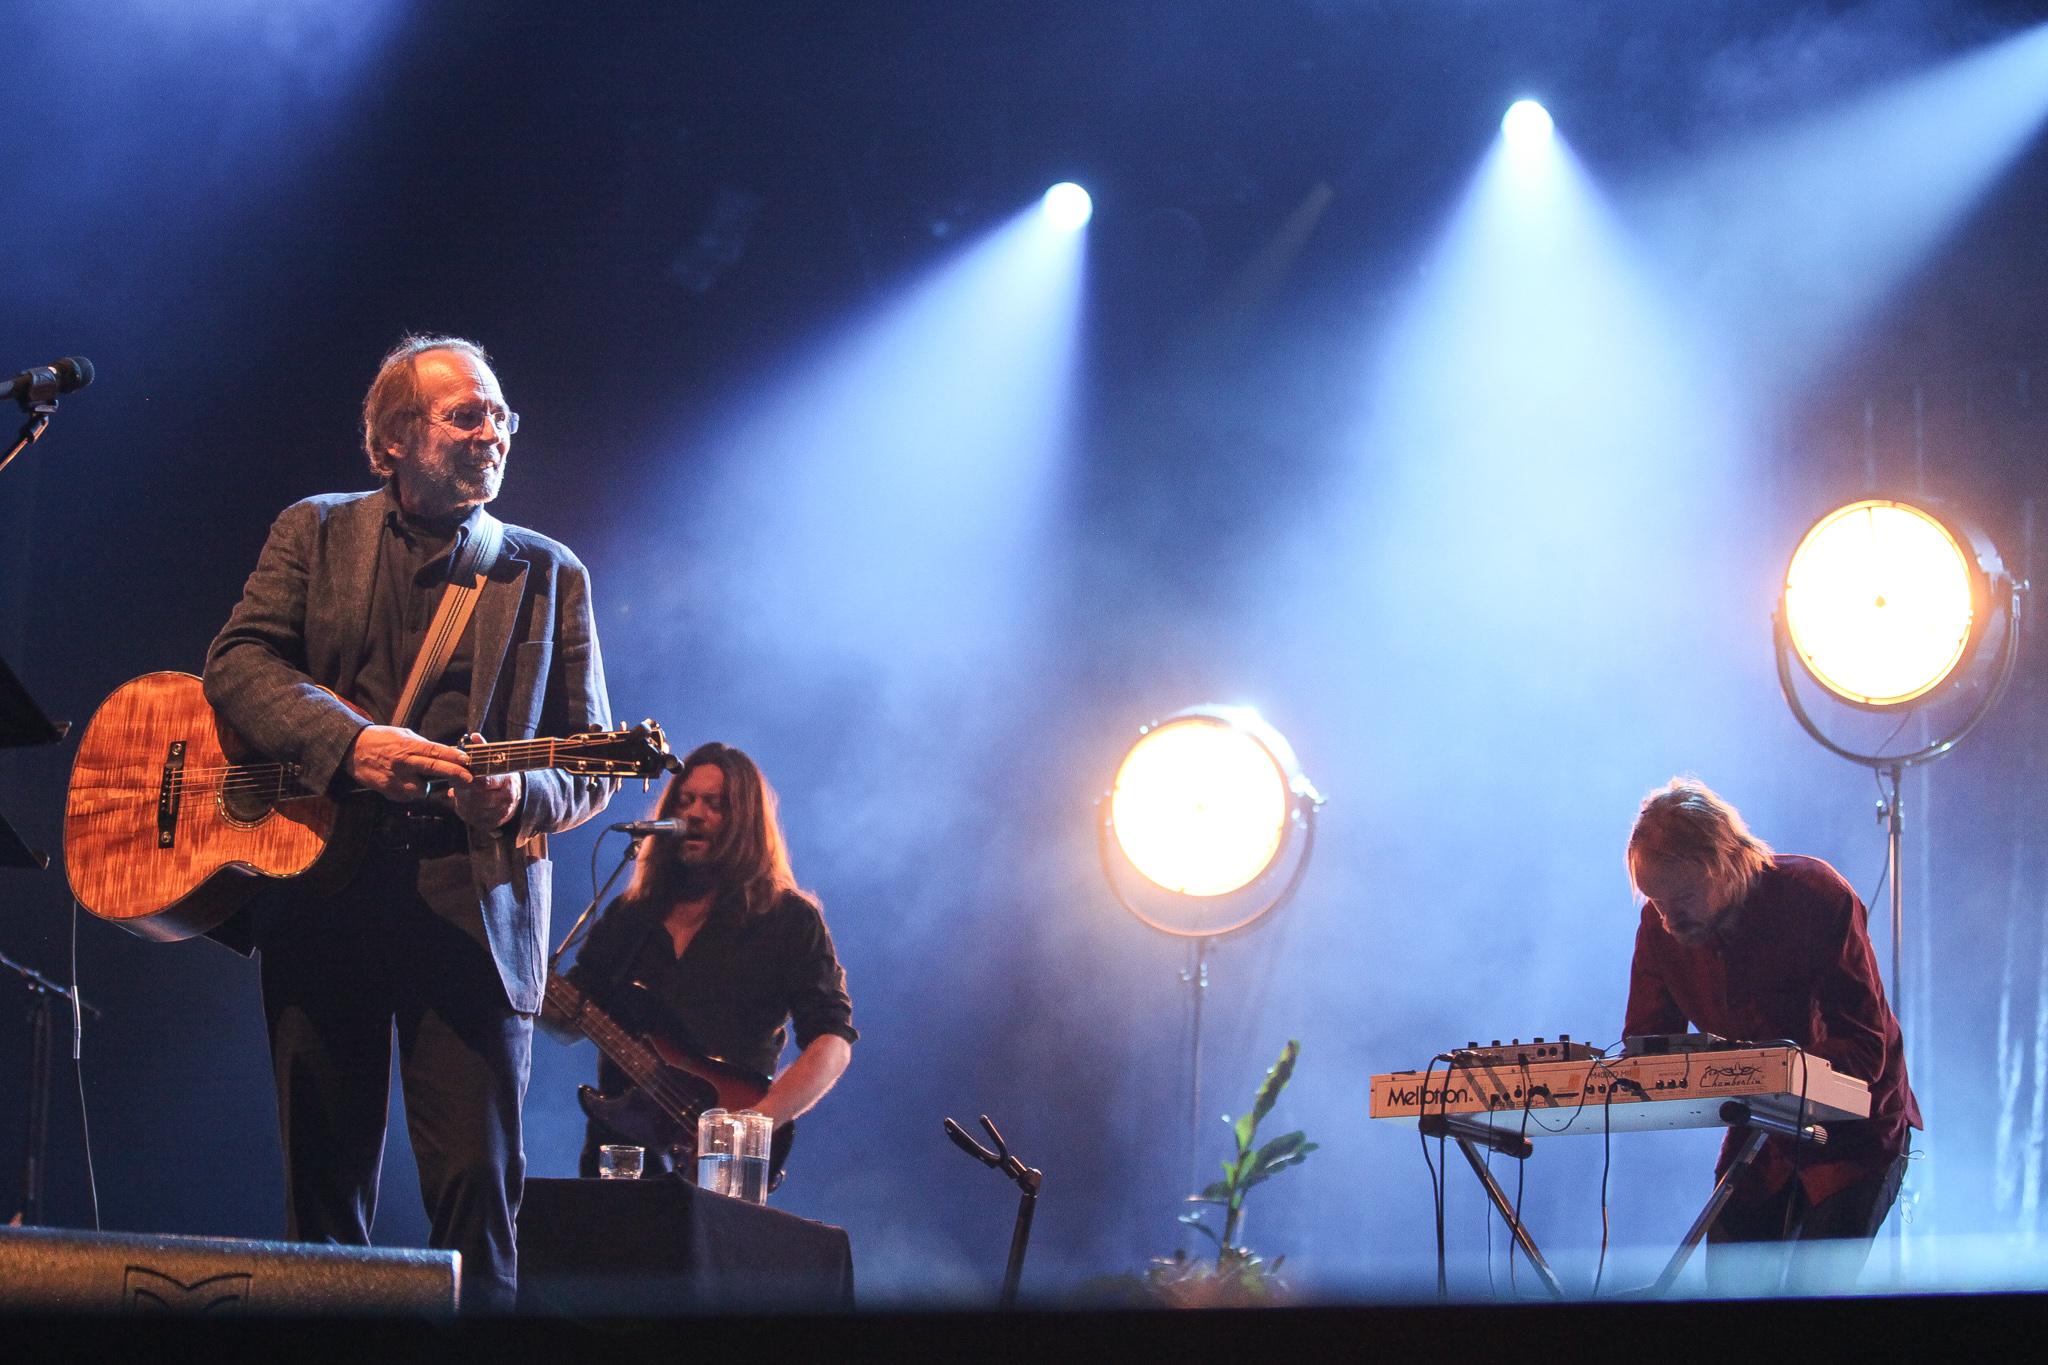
(671, 1083)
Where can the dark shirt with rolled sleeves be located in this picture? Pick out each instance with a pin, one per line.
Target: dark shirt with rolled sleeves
(742, 976)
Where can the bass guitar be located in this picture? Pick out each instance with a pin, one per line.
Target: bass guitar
(671, 1083)
(168, 834)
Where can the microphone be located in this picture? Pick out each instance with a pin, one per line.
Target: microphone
(68, 375)
(641, 828)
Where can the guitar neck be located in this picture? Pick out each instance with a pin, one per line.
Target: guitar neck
(634, 1057)
(516, 756)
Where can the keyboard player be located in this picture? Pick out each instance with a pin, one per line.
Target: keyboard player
(1747, 943)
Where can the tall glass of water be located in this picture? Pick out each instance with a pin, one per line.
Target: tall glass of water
(715, 1154)
(732, 1153)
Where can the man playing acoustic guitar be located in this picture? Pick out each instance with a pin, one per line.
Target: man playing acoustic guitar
(442, 930)
(714, 927)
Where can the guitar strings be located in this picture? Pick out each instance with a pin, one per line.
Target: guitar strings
(279, 780)
(656, 1081)
(512, 751)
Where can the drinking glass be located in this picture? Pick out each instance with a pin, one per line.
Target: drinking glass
(732, 1153)
(619, 1161)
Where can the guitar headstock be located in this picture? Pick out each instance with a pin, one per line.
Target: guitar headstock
(640, 751)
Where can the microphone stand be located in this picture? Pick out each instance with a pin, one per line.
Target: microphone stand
(43, 993)
(569, 939)
(40, 407)
(1028, 1180)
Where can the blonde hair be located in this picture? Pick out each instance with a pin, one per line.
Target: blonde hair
(1686, 821)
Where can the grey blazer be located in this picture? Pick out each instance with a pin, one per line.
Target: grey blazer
(300, 627)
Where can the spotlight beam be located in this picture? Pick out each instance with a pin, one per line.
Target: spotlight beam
(1527, 122)
(1067, 206)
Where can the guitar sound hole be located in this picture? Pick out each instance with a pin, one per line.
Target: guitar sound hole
(242, 806)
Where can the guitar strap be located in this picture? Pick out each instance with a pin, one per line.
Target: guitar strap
(469, 563)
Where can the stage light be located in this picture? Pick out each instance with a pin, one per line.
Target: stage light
(1199, 807)
(1881, 602)
(1211, 810)
(1204, 807)
(1067, 206)
(1526, 123)
(1885, 605)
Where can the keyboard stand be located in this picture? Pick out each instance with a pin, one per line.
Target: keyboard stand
(1756, 1128)
(1470, 1137)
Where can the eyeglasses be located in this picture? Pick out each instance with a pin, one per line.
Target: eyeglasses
(471, 416)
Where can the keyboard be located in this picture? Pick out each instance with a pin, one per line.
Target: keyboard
(1625, 1094)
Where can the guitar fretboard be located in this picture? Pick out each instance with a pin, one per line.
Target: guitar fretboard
(634, 1057)
(274, 782)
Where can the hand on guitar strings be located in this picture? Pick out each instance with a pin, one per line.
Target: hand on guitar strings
(485, 803)
(399, 765)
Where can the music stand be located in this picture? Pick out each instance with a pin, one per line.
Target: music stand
(22, 723)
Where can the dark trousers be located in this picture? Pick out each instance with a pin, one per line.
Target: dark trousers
(339, 975)
(1779, 1242)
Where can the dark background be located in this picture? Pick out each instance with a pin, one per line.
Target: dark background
(645, 211)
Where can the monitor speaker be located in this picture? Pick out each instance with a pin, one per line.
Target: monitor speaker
(64, 1271)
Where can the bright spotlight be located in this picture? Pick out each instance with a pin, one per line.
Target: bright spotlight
(1208, 807)
(1199, 807)
(1067, 206)
(1526, 123)
(1885, 605)
(1881, 601)
(1206, 804)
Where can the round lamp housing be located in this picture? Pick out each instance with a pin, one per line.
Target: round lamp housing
(1205, 806)
(1885, 600)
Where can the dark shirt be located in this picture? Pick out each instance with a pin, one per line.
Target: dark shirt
(411, 576)
(412, 572)
(1791, 960)
(740, 977)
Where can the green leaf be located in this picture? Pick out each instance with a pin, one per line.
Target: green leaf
(1242, 1130)
(1194, 1220)
(1269, 1089)
(1278, 1155)
(1284, 1145)
(1217, 1193)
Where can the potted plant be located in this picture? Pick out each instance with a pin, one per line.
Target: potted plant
(1237, 1276)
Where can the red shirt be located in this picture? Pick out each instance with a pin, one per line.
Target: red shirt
(1792, 960)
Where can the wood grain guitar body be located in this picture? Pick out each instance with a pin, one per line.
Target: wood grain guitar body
(167, 834)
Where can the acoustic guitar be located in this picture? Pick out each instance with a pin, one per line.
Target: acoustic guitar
(670, 1084)
(167, 832)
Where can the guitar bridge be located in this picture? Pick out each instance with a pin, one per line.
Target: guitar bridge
(170, 794)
